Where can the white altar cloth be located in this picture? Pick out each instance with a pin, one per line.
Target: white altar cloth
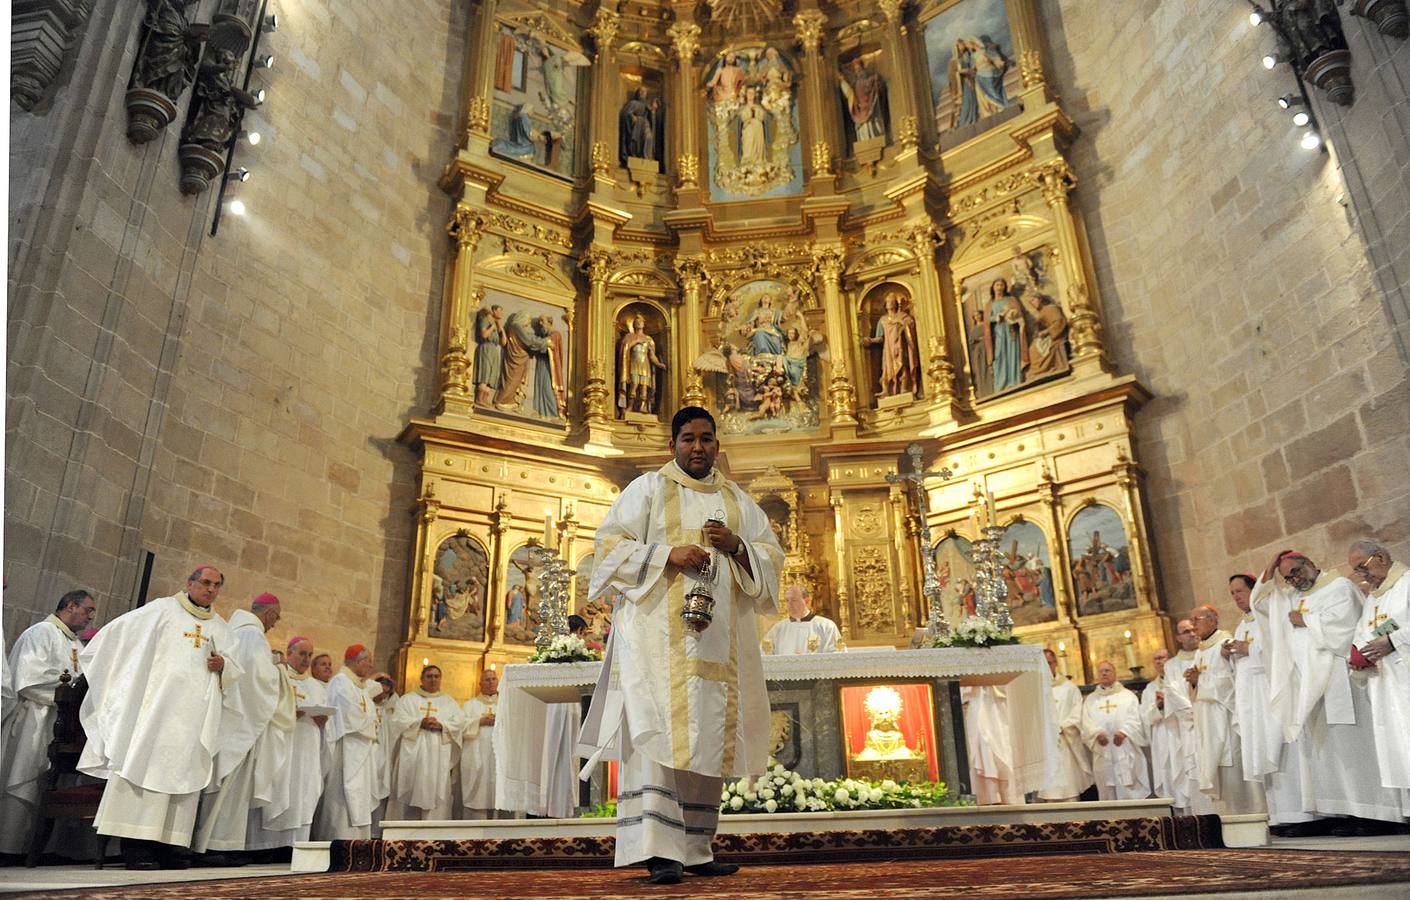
(525, 690)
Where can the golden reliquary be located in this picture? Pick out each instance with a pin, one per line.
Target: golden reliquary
(885, 754)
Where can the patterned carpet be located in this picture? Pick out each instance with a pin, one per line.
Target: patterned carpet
(1130, 874)
(794, 848)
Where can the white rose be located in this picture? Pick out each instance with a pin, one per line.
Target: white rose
(750, 796)
(787, 790)
(875, 796)
(888, 785)
(779, 769)
(741, 785)
(841, 796)
(736, 802)
(770, 806)
(767, 793)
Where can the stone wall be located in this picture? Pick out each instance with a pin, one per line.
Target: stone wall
(1238, 289)
(232, 400)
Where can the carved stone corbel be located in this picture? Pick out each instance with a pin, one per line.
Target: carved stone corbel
(41, 34)
(1389, 16)
(166, 63)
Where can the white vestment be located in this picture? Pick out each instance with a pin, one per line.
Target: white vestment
(989, 743)
(303, 777)
(256, 731)
(795, 637)
(1072, 773)
(558, 784)
(1218, 756)
(40, 655)
(477, 757)
(154, 716)
(1283, 784)
(1121, 772)
(692, 703)
(384, 760)
(425, 758)
(1339, 769)
(1388, 683)
(1171, 734)
(348, 801)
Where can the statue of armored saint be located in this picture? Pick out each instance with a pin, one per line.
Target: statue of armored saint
(636, 369)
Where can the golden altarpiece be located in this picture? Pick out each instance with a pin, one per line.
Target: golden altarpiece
(847, 232)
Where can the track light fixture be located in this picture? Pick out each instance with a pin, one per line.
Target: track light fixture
(270, 23)
(252, 136)
(1311, 140)
(1270, 60)
(259, 96)
(1301, 118)
(1255, 18)
(241, 174)
(1288, 101)
(267, 62)
(237, 207)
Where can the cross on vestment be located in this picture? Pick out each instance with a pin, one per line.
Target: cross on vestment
(300, 695)
(1377, 617)
(1301, 606)
(1107, 707)
(430, 708)
(73, 655)
(197, 637)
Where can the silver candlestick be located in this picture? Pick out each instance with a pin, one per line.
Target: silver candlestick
(990, 590)
(554, 577)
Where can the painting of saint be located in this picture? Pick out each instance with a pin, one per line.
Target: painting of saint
(521, 614)
(519, 364)
(954, 568)
(1101, 561)
(459, 582)
(1027, 572)
(1015, 328)
(641, 127)
(973, 76)
(866, 109)
(598, 614)
(753, 150)
(533, 115)
(765, 361)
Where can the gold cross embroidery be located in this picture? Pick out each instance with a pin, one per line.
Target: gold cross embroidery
(1107, 707)
(426, 713)
(73, 655)
(1249, 639)
(362, 702)
(1301, 606)
(1377, 617)
(1203, 667)
(197, 637)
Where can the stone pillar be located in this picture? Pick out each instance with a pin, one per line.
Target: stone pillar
(479, 79)
(597, 411)
(810, 24)
(457, 398)
(939, 371)
(685, 38)
(902, 93)
(841, 394)
(604, 109)
(693, 278)
(1057, 179)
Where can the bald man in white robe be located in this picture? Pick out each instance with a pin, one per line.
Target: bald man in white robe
(1219, 757)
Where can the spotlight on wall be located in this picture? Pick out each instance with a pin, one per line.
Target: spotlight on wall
(1255, 18)
(267, 62)
(270, 23)
(1270, 61)
(241, 174)
(237, 207)
(1288, 101)
(252, 136)
(1311, 140)
(1301, 118)
(259, 97)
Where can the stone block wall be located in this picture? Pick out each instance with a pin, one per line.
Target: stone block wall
(1238, 288)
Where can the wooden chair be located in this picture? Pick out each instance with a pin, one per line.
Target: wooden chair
(74, 801)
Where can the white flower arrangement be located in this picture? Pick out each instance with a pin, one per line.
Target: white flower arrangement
(974, 631)
(566, 648)
(781, 790)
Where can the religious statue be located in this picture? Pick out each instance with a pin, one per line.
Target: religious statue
(489, 352)
(167, 62)
(520, 141)
(218, 105)
(1004, 337)
(900, 357)
(531, 339)
(1047, 350)
(636, 367)
(976, 78)
(885, 753)
(749, 94)
(864, 101)
(641, 128)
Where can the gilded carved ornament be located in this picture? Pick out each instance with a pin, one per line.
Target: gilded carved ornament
(685, 39)
(604, 28)
(893, 10)
(601, 159)
(478, 118)
(597, 264)
(872, 591)
(1056, 179)
(1083, 322)
(827, 262)
(688, 165)
(466, 227)
(691, 272)
(908, 136)
(939, 371)
(822, 158)
(809, 24)
(1030, 64)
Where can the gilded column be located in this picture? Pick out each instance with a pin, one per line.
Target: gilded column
(429, 512)
(901, 96)
(841, 394)
(839, 547)
(465, 228)
(939, 371)
(500, 521)
(1128, 477)
(810, 23)
(693, 278)
(604, 71)
(1057, 180)
(685, 38)
(597, 263)
(1062, 562)
(480, 80)
(906, 541)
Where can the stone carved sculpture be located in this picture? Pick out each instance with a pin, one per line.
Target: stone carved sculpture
(42, 33)
(1310, 38)
(232, 26)
(165, 65)
(217, 107)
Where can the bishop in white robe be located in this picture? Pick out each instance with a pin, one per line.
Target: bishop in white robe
(427, 725)
(1072, 773)
(154, 715)
(256, 731)
(1218, 756)
(39, 657)
(1164, 702)
(1313, 694)
(477, 765)
(691, 708)
(803, 631)
(384, 698)
(348, 785)
(1111, 729)
(1382, 639)
(308, 752)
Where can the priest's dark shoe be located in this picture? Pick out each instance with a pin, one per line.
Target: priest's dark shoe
(219, 860)
(663, 871)
(713, 868)
(140, 856)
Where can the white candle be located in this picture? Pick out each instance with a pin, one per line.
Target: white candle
(989, 505)
(1062, 660)
(1130, 652)
(548, 531)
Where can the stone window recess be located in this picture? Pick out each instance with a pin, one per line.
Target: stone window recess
(41, 34)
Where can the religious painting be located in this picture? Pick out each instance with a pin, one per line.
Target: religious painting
(893, 350)
(535, 108)
(521, 599)
(520, 356)
(866, 109)
(974, 75)
(1101, 561)
(641, 372)
(597, 613)
(460, 580)
(766, 361)
(954, 569)
(1027, 571)
(641, 123)
(889, 732)
(1016, 331)
(750, 106)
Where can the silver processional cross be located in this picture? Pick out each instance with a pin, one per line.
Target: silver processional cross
(936, 627)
